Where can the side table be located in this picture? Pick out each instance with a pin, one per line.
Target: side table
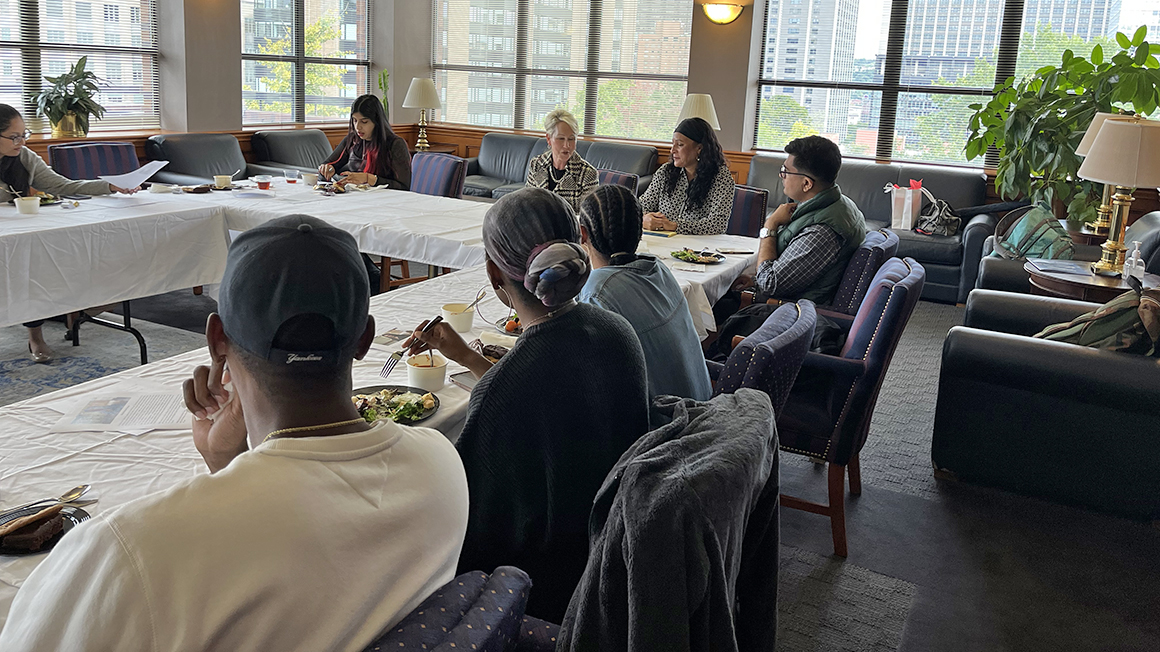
(1080, 286)
(438, 148)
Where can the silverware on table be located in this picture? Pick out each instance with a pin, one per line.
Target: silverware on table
(389, 366)
(68, 497)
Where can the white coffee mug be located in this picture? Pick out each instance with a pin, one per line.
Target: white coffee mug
(28, 205)
(223, 180)
(460, 319)
(310, 178)
(427, 373)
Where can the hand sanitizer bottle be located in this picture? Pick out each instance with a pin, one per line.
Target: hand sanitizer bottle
(1134, 265)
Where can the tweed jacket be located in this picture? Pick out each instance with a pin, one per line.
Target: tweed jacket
(579, 177)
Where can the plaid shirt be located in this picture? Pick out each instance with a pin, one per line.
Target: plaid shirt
(800, 265)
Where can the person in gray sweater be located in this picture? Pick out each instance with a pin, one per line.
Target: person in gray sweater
(23, 171)
(548, 421)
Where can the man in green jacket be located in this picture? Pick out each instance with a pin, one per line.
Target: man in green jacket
(807, 243)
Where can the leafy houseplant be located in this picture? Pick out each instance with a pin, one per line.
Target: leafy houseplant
(1036, 123)
(384, 84)
(69, 102)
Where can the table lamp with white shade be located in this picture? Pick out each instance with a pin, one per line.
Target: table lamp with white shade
(700, 105)
(1126, 154)
(422, 95)
(1104, 212)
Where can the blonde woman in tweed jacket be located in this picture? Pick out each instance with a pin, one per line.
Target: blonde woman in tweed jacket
(560, 169)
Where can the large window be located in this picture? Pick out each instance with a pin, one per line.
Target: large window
(892, 79)
(40, 38)
(303, 60)
(620, 66)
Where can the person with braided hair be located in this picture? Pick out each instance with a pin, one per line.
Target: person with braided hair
(548, 421)
(692, 193)
(642, 290)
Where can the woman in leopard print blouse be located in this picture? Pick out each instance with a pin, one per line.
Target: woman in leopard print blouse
(693, 192)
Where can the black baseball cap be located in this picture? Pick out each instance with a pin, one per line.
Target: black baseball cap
(288, 267)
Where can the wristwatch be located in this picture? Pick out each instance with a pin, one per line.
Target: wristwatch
(764, 233)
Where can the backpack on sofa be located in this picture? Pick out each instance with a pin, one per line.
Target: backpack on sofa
(1032, 232)
(1130, 323)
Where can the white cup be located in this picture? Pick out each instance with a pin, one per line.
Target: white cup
(160, 188)
(310, 178)
(430, 378)
(459, 318)
(28, 205)
(223, 180)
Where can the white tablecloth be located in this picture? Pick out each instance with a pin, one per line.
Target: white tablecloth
(115, 248)
(108, 249)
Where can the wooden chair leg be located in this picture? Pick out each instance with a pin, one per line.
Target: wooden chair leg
(838, 508)
(197, 290)
(385, 274)
(855, 477)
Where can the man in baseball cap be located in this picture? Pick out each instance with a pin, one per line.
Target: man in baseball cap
(313, 530)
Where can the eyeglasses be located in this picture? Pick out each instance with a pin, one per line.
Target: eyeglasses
(19, 137)
(785, 172)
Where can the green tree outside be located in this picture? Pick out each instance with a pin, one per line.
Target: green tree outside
(782, 119)
(941, 134)
(630, 108)
(321, 80)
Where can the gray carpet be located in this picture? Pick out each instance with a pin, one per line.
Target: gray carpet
(103, 351)
(897, 451)
(825, 603)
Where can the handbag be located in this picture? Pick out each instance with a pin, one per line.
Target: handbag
(1130, 323)
(937, 218)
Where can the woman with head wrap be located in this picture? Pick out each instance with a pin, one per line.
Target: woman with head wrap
(693, 192)
(560, 169)
(548, 421)
(642, 290)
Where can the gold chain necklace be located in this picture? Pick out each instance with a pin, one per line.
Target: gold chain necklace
(283, 431)
(562, 309)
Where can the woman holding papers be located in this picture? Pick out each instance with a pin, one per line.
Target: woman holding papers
(23, 173)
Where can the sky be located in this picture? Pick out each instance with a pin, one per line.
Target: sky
(1133, 13)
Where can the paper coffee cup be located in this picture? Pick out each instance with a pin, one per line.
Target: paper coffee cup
(28, 205)
(223, 180)
(430, 378)
(459, 318)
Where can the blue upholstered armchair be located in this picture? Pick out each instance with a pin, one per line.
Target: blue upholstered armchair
(438, 174)
(91, 160)
(769, 358)
(827, 416)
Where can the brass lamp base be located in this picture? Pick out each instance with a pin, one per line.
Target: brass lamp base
(421, 145)
(1103, 214)
(1111, 262)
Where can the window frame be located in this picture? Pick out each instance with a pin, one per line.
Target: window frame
(299, 61)
(29, 46)
(521, 71)
(892, 87)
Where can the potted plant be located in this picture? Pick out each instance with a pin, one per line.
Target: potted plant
(384, 84)
(1036, 123)
(69, 102)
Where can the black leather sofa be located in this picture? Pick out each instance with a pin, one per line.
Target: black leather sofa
(951, 263)
(196, 158)
(502, 164)
(297, 149)
(1048, 419)
(1008, 275)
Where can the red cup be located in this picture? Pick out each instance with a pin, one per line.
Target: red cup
(263, 185)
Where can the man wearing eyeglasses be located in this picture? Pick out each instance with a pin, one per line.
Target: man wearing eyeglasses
(807, 243)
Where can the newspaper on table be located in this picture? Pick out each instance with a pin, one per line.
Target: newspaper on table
(132, 413)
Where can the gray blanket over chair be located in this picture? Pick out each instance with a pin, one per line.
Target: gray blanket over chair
(684, 536)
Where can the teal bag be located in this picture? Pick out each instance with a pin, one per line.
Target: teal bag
(1032, 232)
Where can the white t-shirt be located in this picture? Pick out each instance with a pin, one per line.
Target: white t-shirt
(313, 543)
